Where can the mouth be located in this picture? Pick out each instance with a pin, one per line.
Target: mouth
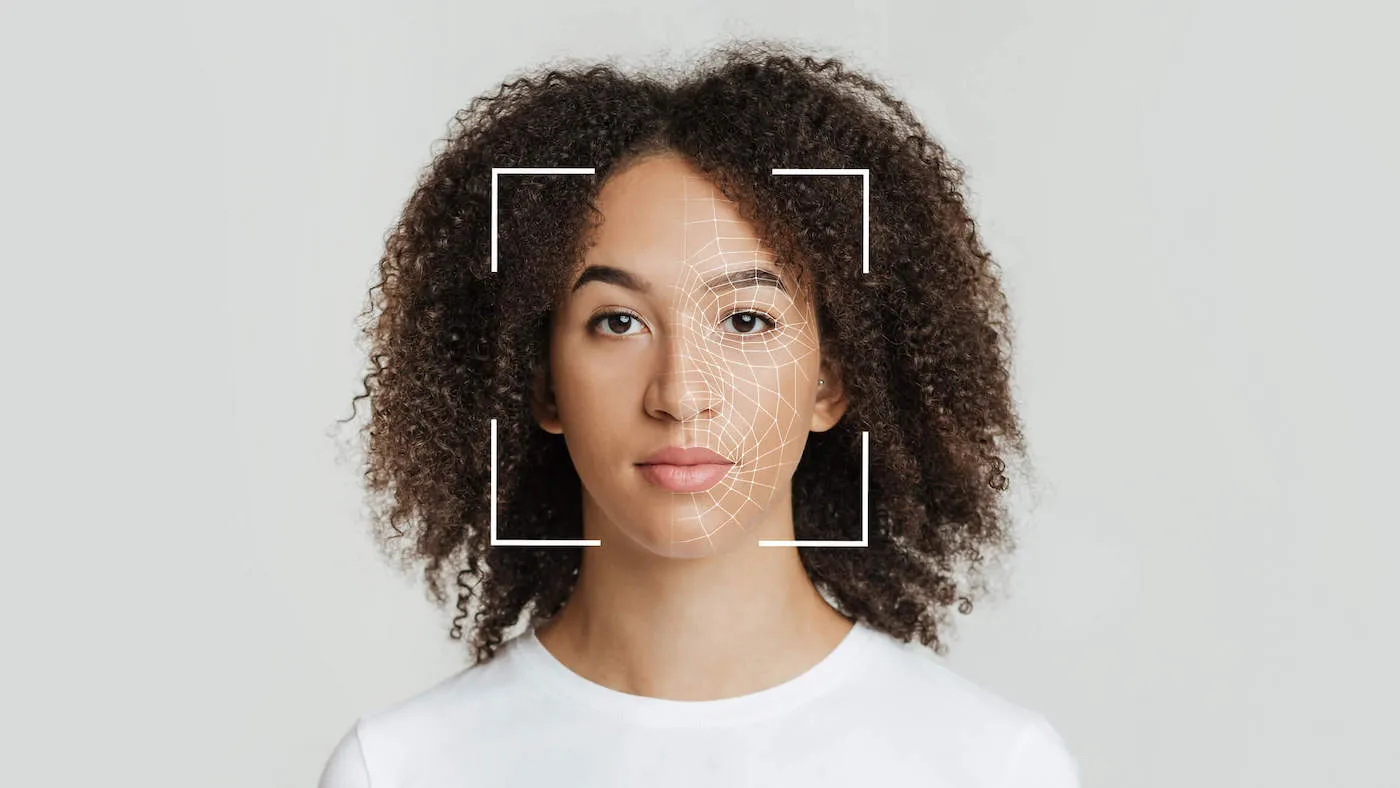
(678, 469)
(684, 478)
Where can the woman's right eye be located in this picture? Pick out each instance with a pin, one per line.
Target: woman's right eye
(616, 323)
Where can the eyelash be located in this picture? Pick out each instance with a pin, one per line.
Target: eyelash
(772, 322)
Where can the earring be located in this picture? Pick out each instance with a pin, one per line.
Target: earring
(821, 382)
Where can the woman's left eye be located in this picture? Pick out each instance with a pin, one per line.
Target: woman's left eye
(747, 322)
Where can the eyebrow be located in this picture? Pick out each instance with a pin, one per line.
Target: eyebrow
(726, 281)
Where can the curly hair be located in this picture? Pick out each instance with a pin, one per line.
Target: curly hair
(922, 341)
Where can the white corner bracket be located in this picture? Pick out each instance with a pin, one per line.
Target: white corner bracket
(864, 540)
(497, 171)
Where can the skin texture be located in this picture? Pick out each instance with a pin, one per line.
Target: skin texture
(680, 601)
(916, 352)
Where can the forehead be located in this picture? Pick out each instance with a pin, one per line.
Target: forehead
(665, 221)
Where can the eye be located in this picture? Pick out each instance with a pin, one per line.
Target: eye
(617, 323)
(747, 322)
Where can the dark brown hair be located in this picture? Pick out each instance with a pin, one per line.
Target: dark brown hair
(922, 341)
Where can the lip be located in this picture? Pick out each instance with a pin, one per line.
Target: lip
(679, 469)
(685, 478)
(694, 455)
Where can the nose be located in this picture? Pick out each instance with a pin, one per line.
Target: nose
(688, 382)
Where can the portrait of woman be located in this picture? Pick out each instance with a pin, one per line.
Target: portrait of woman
(769, 395)
(700, 380)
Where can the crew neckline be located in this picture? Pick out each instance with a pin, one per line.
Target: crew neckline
(665, 712)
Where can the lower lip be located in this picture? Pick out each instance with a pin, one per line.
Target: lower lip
(685, 478)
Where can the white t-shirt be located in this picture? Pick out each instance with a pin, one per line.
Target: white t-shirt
(873, 712)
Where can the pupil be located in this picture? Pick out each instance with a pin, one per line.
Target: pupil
(747, 320)
(613, 324)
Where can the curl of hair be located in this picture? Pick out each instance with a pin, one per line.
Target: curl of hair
(922, 342)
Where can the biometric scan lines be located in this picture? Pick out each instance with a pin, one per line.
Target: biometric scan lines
(736, 349)
(739, 374)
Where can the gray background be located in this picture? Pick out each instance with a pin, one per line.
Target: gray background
(1194, 204)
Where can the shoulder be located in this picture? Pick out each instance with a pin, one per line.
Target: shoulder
(980, 735)
(1042, 760)
(909, 680)
(387, 745)
(346, 766)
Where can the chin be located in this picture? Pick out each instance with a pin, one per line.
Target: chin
(694, 529)
(686, 544)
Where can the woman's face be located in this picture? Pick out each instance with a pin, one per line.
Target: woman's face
(668, 338)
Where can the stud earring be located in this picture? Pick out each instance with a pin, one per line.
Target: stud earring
(821, 382)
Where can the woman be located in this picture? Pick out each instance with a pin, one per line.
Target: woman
(741, 459)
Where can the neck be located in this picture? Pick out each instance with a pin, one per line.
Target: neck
(720, 626)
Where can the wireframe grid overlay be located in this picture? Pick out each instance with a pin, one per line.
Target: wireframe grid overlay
(713, 364)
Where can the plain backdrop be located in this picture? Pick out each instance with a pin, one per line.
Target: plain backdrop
(1194, 205)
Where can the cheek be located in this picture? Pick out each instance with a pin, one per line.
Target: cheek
(770, 397)
(594, 398)
(592, 388)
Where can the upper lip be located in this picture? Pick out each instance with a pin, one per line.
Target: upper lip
(675, 455)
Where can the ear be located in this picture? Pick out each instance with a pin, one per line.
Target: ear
(831, 398)
(542, 402)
